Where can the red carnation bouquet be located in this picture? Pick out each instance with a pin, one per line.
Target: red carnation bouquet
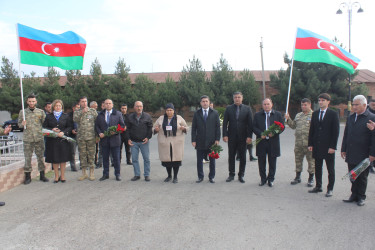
(274, 129)
(113, 130)
(355, 172)
(215, 151)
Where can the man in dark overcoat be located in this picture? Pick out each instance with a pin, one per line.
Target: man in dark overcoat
(358, 144)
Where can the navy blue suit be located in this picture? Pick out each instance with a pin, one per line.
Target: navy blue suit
(111, 144)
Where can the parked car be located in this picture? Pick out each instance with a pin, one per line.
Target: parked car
(14, 124)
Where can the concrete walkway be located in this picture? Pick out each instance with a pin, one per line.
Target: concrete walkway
(158, 215)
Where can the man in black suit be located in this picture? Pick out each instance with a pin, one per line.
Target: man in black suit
(358, 144)
(237, 131)
(323, 135)
(205, 132)
(110, 145)
(270, 144)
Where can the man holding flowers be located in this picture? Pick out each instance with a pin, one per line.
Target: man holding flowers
(269, 143)
(205, 132)
(358, 144)
(107, 127)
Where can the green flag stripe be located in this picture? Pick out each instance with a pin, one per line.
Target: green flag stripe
(322, 56)
(67, 63)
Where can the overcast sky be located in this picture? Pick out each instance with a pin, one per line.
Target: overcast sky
(161, 36)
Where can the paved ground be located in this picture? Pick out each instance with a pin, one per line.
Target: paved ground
(158, 215)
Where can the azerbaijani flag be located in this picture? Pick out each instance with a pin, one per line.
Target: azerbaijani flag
(41, 48)
(311, 47)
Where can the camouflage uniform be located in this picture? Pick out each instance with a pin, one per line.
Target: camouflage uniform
(301, 124)
(33, 139)
(86, 136)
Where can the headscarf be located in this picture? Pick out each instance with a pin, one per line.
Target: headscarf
(172, 123)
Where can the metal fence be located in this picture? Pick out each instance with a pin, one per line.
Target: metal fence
(11, 150)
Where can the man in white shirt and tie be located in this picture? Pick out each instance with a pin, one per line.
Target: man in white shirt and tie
(323, 136)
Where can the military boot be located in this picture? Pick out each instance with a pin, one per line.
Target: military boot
(92, 177)
(310, 181)
(297, 179)
(27, 178)
(42, 177)
(84, 175)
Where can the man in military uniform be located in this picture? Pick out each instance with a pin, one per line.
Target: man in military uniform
(85, 118)
(4, 131)
(33, 139)
(301, 124)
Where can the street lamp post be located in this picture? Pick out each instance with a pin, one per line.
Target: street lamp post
(348, 6)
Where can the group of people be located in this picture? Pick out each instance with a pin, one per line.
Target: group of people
(316, 139)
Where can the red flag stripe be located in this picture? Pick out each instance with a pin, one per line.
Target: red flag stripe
(309, 43)
(54, 49)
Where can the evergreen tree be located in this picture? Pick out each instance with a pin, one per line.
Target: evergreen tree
(193, 83)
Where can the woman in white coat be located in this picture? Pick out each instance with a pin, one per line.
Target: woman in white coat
(171, 129)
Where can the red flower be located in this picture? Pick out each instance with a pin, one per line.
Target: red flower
(120, 129)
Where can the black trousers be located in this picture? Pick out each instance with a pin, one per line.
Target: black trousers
(271, 164)
(359, 186)
(330, 162)
(127, 150)
(237, 146)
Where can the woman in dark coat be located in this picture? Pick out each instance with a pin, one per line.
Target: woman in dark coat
(58, 149)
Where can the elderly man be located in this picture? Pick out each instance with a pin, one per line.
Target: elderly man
(269, 146)
(358, 144)
(323, 136)
(237, 131)
(85, 118)
(110, 144)
(5, 131)
(33, 139)
(139, 133)
(301, 124)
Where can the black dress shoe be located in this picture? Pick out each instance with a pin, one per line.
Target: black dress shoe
(118, 178)
(63, 181)
(2, 203)
(316, 190)
(261, 183)
(252, 158)
(129, 163)
(175, 180)
(241, 179)
(56, 181)
(135, 178)
(230, 178)
(104, 177)
(270, 183)
(168, 179)
(199, 180)
(352, 198)
(361, 202)
(147, 178)
(212, 181)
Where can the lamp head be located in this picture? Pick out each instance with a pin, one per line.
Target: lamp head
(339, 12)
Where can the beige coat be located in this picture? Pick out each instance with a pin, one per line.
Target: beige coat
(177, 141)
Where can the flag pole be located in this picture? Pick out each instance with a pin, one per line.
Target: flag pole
(20, 74)
(291, 71)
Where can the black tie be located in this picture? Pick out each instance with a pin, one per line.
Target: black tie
(237, 112)
(268, 120)
(205, 115)
(321, 116)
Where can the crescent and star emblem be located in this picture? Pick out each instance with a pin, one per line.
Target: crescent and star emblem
(45, 44)
(320, 46)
